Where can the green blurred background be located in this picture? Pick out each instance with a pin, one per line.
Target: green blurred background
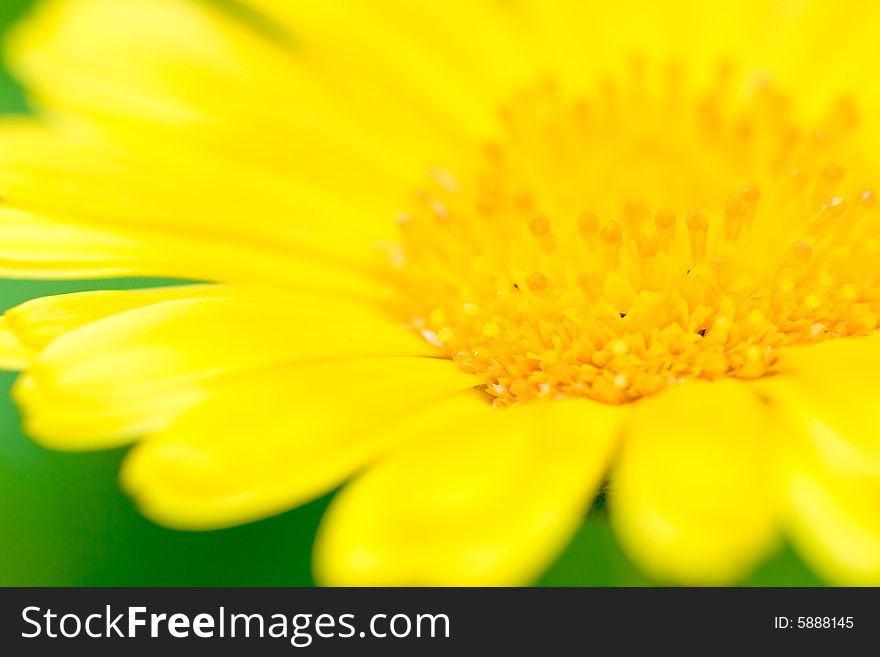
(64, 522)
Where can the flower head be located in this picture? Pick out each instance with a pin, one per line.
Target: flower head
(478, 257)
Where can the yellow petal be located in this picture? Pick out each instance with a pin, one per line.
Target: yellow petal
(37, 322)
(172, 63)
(13, 354)
(692, 497)
(828, 392)
(37, 247)
(833, 521)
(43, 247)
(275, 439)
(464, 56)
(116, 378)
(830, 389)
(72, 71)
(481, 496)
(167, 188)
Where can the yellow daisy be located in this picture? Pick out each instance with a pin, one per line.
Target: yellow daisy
(470, 259)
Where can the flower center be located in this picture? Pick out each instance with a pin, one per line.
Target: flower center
(610, 246)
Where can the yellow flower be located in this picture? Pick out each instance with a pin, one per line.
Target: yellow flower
(475, 256)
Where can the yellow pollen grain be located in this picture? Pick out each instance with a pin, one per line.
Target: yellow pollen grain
(490, 329)
(539, 225)
(755, 317)
(664, 225)
(754, 363)
(714, 364)
(800, 252)
(698, 227)
(537, 282)
(736, 207)
(611, 234)
(619, 347)
(750, 193)
(812, 301)
(588, 224)
(664, 220)
(647, 246)
(835, 207)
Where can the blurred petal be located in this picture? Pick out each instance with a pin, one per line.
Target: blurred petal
(37, 322)
(830, 389)
(483, 497)
(834, 522)
(177, 63)
(38, 246)
(692, 497)
(276, 439)
(165, 191)
(464, 56)
(111, 380)
(829, 392)
(13, 354)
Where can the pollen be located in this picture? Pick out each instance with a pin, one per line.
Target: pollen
(610, 244)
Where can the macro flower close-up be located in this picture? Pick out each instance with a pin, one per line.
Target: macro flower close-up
(474, 267)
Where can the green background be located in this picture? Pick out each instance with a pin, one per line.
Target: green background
(63, 520)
